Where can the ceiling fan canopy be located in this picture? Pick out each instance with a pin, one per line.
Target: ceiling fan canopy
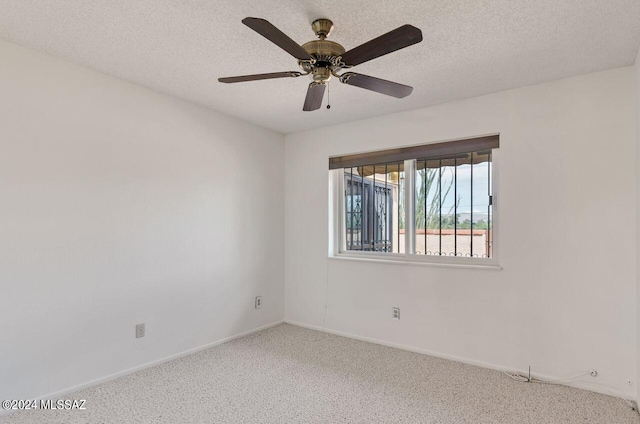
(322, 59)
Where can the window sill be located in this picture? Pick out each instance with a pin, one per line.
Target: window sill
(415, 260)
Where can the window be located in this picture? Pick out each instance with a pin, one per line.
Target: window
(431, 203)
(373, 207)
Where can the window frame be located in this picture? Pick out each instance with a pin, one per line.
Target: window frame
(337, 225)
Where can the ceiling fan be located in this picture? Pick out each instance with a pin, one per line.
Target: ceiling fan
(323, 58)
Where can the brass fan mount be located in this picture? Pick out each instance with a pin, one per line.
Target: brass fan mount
(322, 27)
(326, 53)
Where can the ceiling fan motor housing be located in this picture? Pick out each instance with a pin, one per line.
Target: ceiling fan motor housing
(323, 50)
(326, 54)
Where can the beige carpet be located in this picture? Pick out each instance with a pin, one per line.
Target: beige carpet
(288, 374)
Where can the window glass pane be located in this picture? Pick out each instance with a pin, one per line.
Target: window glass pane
(398, 197)
(435, 207)
(373, 208)
(426, 205)
(447, 246)
(481, 206)
(453, 210)
(463, 216)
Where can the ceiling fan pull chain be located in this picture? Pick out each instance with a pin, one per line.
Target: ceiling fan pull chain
(328, 96)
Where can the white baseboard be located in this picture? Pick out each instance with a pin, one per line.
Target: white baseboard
(119, 374)
(598, 388)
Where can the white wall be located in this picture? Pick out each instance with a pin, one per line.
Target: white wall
(637, 105)
(118, 206)
(562, 303)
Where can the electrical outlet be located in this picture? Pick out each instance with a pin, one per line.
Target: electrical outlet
(396, 313)
(258, 302)
(139, 331)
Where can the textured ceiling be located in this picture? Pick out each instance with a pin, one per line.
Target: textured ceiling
(470, 47)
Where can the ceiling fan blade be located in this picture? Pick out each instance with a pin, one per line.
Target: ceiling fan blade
(376, 84)
(279, 38)
(256, 77)
(397, 39)
(313, 101)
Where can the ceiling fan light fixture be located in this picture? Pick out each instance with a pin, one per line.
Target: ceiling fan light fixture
(321, 74)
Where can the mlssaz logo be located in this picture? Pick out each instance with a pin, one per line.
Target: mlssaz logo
(63, 404)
